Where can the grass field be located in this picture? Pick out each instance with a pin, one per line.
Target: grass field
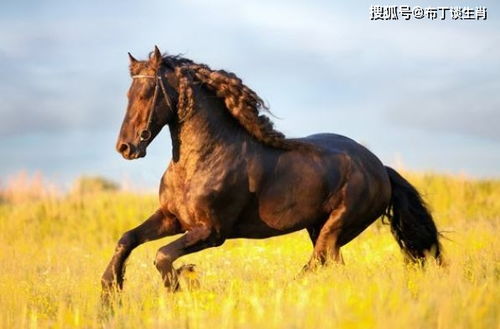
(53, 251)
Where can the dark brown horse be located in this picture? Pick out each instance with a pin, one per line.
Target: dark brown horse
(233, 176)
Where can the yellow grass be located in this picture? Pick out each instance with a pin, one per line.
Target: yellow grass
(54, 249)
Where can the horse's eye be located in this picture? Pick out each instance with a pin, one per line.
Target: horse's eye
(145, 135)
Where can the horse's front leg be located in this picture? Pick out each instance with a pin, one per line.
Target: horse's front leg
(159, 225)
(196, 239)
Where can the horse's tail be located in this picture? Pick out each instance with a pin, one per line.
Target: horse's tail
(411, 222)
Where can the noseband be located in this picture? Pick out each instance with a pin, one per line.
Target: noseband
(146, 134)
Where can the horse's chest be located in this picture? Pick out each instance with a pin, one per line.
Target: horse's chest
(190, 197)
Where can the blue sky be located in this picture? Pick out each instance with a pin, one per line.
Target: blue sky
(424, 93)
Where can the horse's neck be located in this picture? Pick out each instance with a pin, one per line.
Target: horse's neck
(205, 133)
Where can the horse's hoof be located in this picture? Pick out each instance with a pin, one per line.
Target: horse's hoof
(188, 277)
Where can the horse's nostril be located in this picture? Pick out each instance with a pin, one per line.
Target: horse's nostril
(123, 147)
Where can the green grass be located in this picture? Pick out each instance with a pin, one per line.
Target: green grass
(53, 252)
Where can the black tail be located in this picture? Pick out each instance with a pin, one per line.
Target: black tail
(411, 222)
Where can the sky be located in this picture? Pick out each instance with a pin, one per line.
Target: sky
(422, 94)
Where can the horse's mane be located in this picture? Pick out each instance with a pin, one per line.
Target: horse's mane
(242, 102)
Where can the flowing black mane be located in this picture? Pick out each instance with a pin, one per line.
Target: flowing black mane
(242, 102)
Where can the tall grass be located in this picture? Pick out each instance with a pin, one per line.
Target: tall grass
(53, 250)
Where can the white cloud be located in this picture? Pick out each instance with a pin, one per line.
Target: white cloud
(66, 64)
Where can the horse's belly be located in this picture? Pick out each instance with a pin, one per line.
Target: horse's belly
(293, 215)
(257, 229)
(253, 225)
(270, 216)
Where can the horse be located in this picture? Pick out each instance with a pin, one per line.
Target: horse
(233, 175)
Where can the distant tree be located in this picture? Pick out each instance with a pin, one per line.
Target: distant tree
(93, 184)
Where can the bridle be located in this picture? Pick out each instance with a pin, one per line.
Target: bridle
(146, 134)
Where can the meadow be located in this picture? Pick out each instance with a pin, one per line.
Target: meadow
(54, 248)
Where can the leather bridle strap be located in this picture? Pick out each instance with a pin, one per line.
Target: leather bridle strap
(145, 134)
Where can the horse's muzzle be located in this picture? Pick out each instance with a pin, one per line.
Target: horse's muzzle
(130, 151)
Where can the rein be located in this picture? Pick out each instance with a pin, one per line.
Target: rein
(146, 134)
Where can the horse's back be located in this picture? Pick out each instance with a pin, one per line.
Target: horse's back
(335, 145)
(361, 158)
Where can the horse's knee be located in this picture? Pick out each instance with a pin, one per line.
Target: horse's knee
(128, 240)
(164, 258)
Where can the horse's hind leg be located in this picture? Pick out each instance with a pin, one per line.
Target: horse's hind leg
(326, 248)
(155, 227)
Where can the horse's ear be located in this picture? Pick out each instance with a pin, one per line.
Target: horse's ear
(132, 59)
(157, 58)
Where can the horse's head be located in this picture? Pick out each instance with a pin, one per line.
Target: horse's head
(150, 105)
